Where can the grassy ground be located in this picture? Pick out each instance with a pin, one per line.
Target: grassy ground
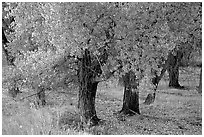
(173, 112)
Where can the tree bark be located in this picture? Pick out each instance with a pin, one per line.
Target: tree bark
(155, 81)
(41, 96)
(87, 90)
(200, 82)
(173, 69)
(8, 57)
(131, 95)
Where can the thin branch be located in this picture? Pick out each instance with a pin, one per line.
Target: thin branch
(31, 95)
(99, 63)
(108, 75)
(133, 111)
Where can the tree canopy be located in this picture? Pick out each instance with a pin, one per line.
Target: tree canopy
(134, 35)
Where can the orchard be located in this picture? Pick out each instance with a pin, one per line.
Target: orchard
(77, 47)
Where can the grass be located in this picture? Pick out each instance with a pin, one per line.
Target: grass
(22, 118)
(173, 112)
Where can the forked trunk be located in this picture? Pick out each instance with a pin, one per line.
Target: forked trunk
(87, 91)
(131, 95)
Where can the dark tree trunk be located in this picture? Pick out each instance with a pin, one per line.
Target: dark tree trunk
(200, 82)
(131, 95)
(87, 90)
(173, 69)
(8, 57)
(41, 96)
(4, 39)
(173, 76)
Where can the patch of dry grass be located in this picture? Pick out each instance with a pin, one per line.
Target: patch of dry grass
(20, 118)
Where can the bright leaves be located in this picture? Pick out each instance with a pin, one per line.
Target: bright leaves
(137, 34)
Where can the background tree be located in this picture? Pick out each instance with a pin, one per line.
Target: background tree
(184, 19)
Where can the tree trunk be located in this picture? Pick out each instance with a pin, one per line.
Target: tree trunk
(173, 76)
(155, 81)
(41, 96)
(9, 58)
(172, 65)
(173, 69)
(131, 95)
(87, 91)
(200, 83)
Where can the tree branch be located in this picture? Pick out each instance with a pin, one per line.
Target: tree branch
(108, 75)
(31, 95)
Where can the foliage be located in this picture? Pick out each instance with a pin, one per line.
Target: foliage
(137, 36)
(49, 39)
(186, 21)
(7, 19)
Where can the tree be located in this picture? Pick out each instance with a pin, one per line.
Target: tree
(87, 91)
(185, 20)
(48, 33)
(147, 44)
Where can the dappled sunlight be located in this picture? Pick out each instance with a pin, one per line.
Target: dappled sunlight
(101, 68)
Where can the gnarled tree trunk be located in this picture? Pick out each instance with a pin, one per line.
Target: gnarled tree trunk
(87, 90)
(131, 95)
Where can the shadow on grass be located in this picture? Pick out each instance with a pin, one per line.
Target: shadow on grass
(69, 120)
(165, 120)
(72, 120)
